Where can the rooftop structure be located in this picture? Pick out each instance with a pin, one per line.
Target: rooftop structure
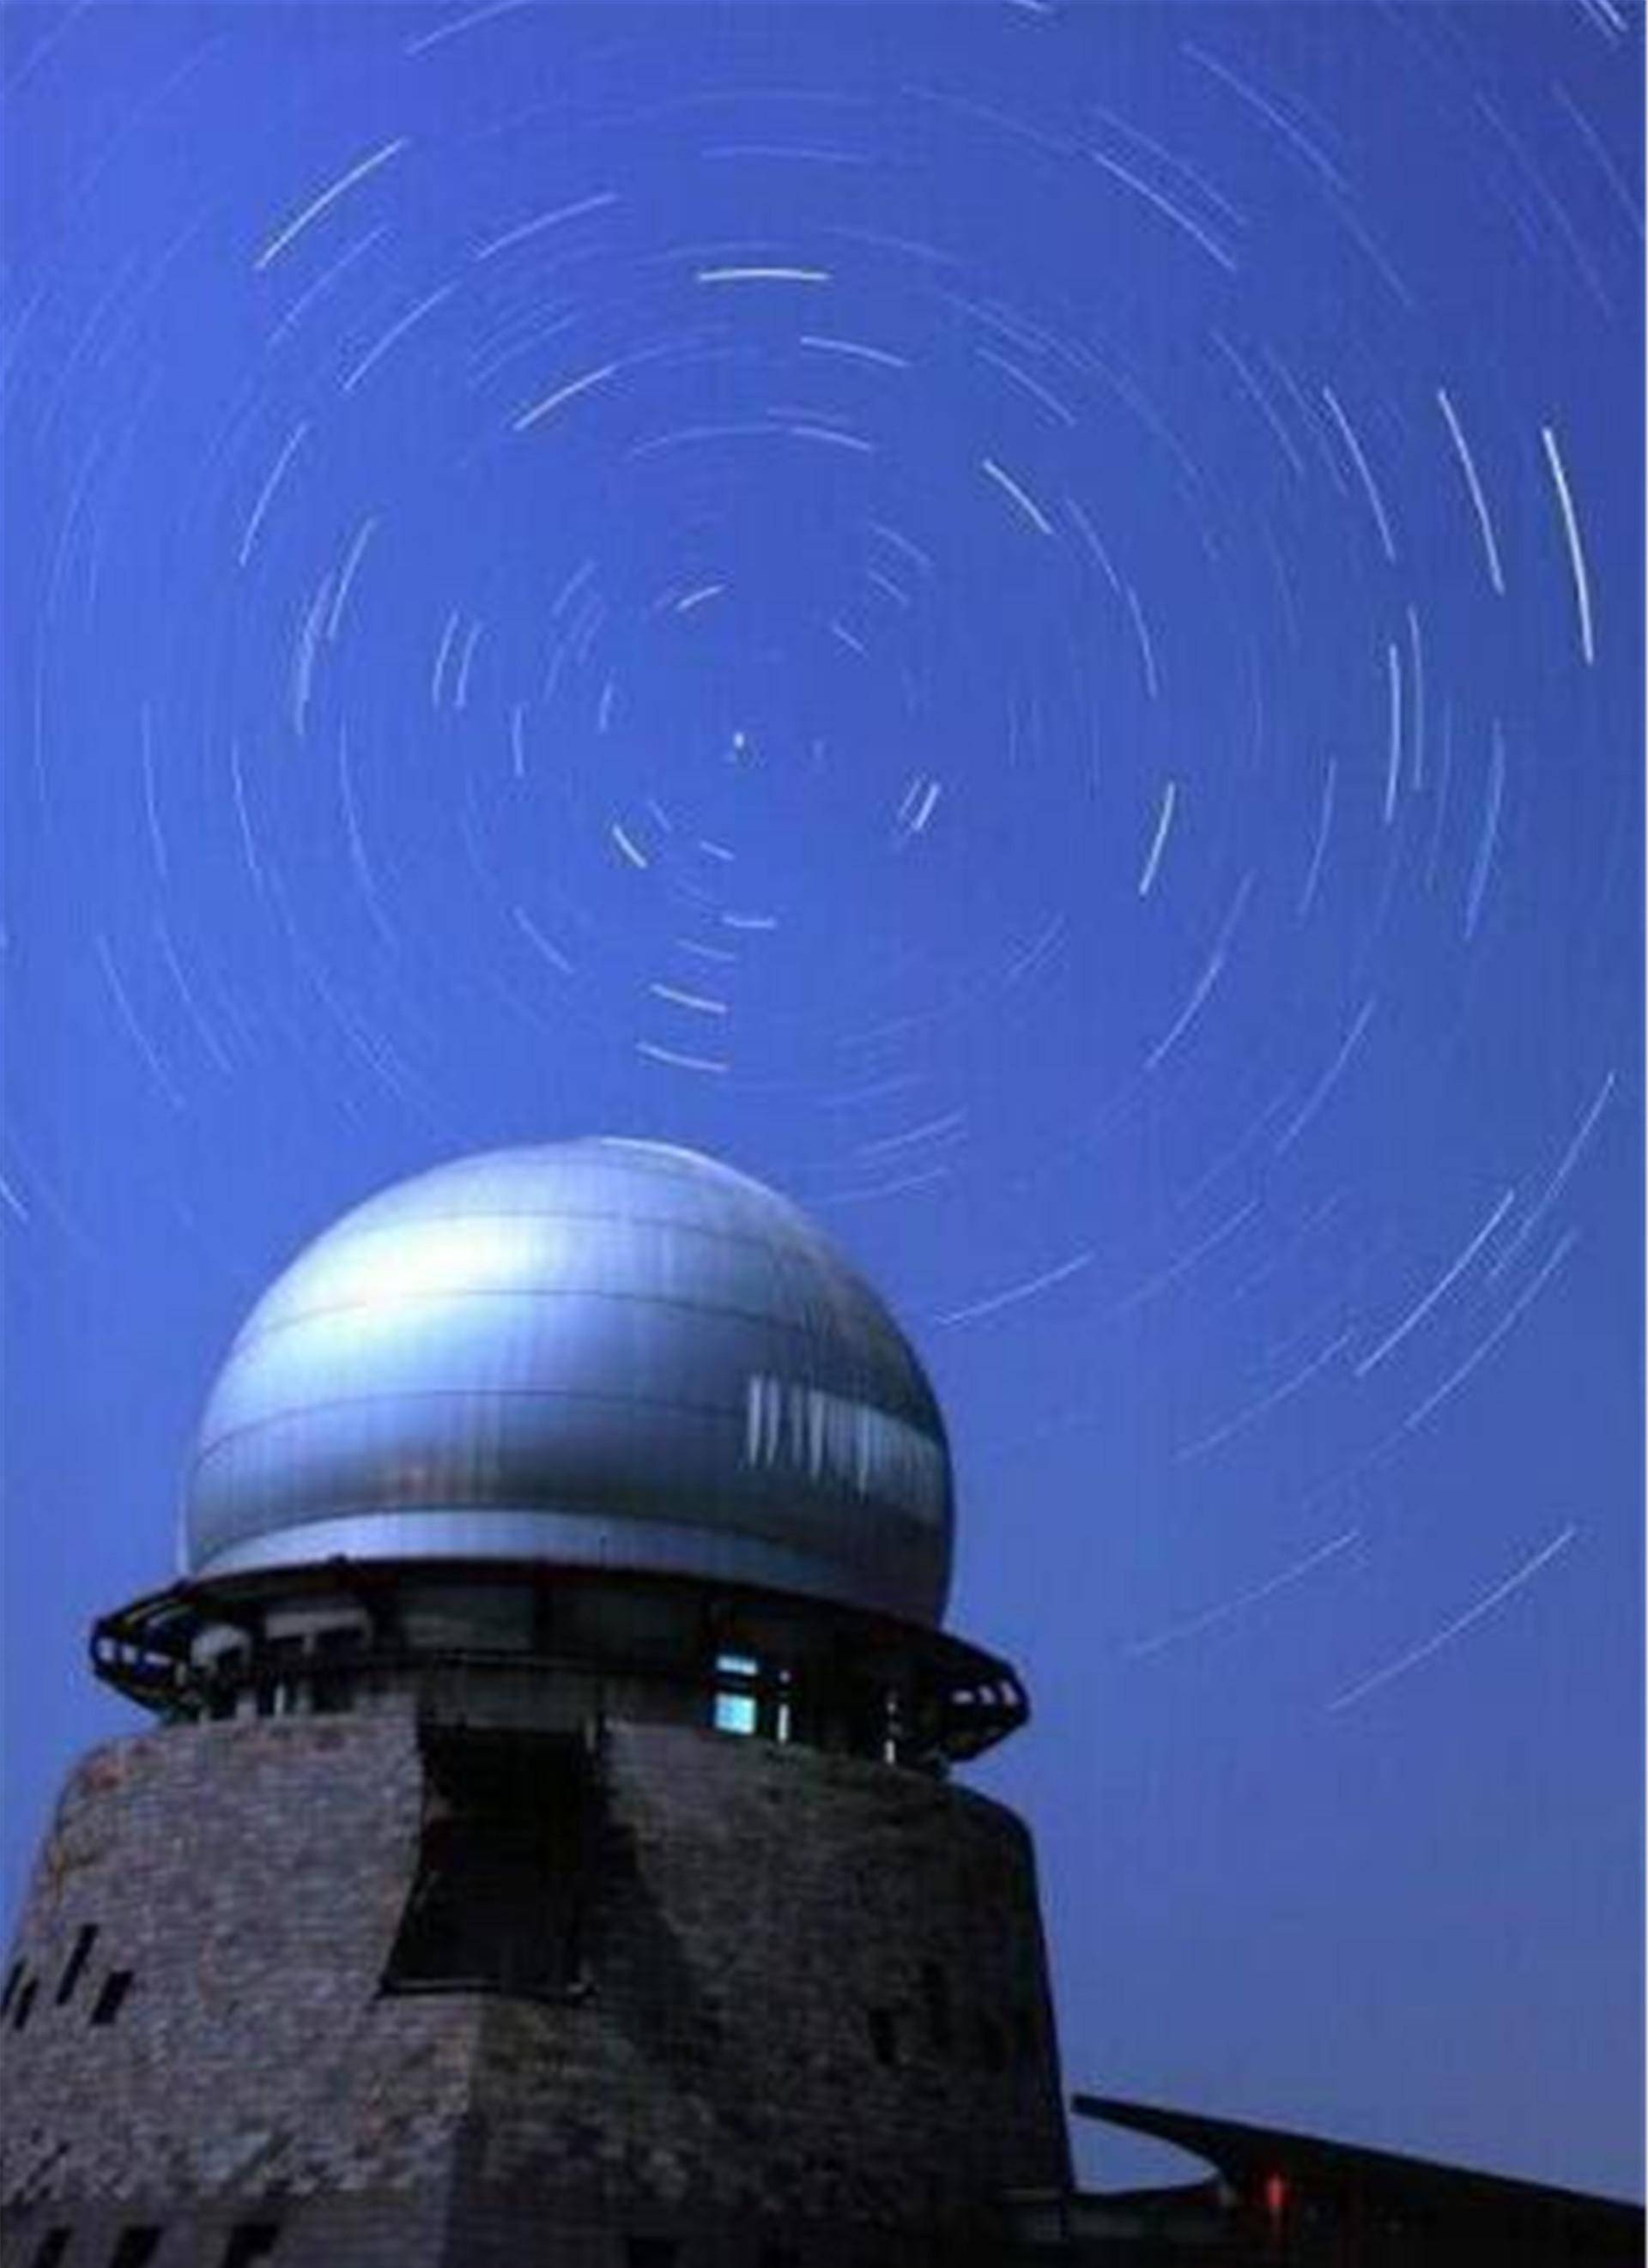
(597, 1353)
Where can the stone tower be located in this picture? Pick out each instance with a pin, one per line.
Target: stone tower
(545, 1851)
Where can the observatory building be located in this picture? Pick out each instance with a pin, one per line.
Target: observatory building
(546, 1854)
(546, 1851)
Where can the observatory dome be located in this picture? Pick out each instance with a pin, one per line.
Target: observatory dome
(594, 1353)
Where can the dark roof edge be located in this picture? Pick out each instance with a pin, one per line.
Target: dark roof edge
(1237, 2148)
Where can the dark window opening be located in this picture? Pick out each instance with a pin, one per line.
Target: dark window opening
(14, 1978)
(24, 2003)
(775, 2255)
(109, 2002)
(498, 1902)
(651, 2252)
(992, 2045)
(332, 1689)
(941, 2026)
(134, 2248)
(279, 1697)
(85, 1941)
(228, 1674)
(249, 2241)
(884, 2036)
(51, 2249)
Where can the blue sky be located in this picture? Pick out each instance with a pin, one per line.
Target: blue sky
(1024, 620)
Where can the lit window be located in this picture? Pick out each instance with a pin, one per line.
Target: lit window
(735, 1707)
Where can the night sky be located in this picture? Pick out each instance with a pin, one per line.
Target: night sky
(1023, 618)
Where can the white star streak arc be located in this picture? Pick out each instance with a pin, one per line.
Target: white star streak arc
(1227, 1610)
(1576, 548)
(277, 473)
(1181, 220)
(1364, 474)
(1460, 1624)
(346, 576)
(325, 281)
(1483, 865)
(247, 841)
(1251, 1413)
(1163, 821)
(1328, 1080)
(1474, 487)
(856, 350)
(1444, 1284)
(139, 1038)
(1010, 489)
(541, 944)
(444, 31)
(1204, 983)
(329, 197)
(1016, 1293)
(1518, 1308)
(151, 803)
(1558, 1182)
(396, 331)
(679, 1061)
(762, 276)
(570, 392)
(700, 1003)
(1394, 751)
(1147, 651)
(1176, 1270)
(1318, 850)
(599, 202)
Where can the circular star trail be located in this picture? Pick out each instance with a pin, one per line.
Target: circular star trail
(1022, 618)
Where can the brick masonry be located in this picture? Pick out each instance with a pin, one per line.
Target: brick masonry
(722, 2082)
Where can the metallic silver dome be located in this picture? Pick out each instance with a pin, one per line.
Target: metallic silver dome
(597, 1353)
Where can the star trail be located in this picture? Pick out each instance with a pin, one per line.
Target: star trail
(1022, 618)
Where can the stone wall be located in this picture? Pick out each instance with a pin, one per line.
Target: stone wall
(814, 2031)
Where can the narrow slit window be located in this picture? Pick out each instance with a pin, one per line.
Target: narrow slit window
(24, 2004)
(14, 1978)
(110, 2000)
(84, 1940)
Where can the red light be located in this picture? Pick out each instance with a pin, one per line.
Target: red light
(1275, 2196)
